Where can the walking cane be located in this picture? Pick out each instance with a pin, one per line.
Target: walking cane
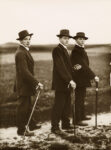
(96, 105)
(32, 112)
(74, 116)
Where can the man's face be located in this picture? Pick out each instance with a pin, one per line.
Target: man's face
(80, 41)
(26, 41)
(64, 40)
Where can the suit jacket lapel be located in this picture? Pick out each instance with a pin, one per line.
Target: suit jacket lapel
(28, 53)
(66, 53)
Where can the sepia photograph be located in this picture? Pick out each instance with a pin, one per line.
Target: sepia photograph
(55, 75)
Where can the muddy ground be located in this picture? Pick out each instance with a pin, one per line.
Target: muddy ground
(86, 138)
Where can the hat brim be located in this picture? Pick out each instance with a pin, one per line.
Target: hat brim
(24, 36)
(75, 37)
(64, 35)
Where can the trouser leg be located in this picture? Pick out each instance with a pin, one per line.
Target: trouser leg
(23, 112)
(80, 93)
(66, 110)
(58, 111)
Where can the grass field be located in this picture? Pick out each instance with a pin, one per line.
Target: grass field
(99, 62)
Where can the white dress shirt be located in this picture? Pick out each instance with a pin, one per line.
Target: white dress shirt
(65, 48)
(79, 45)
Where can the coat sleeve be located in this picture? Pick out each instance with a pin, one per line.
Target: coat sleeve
(60, 66)
(23, 70)
(76, 59)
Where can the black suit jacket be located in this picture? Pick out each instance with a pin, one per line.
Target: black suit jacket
(25, 81)
(62, 69)
(85, 74)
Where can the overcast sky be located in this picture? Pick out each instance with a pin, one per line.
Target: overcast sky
(45, 18)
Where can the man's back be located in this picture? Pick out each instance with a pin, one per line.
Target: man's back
(25, 82)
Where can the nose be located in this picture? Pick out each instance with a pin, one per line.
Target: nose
(28, 41)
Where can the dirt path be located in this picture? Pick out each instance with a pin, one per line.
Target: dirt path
(89, 137)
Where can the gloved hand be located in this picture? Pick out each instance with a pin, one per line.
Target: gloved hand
(40, 86)
(77, 67)
(72, 84)
(96, 79)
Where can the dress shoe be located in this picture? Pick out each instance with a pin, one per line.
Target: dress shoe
(58, 132)
(86, 118)
(80, 123)
(35, 127)
(27, 133)
(69, 127)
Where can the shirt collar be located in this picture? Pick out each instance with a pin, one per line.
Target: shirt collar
(27, 48)
(79, 45)
(63, 45)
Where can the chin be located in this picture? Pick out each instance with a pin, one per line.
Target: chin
(66, 44)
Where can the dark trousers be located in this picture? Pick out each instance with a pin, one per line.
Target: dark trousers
(23, 112)
(80, 93)
(61, 109)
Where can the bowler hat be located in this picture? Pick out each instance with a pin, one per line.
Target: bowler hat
(80, 34)
(23, 34)
(64, 32)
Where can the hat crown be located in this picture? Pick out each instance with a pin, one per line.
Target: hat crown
(64, 32)
(23, 33)
(81, 34)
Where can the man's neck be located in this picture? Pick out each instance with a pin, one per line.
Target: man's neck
(27, 48)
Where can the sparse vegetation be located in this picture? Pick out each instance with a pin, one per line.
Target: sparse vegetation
(99, 63)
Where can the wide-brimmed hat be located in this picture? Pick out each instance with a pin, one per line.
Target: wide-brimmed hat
(80, 34)
(22, 34)
(64, 32)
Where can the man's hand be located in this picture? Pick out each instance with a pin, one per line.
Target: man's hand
(96, 79)
(77, 67)
(72, 84)
(40, 86)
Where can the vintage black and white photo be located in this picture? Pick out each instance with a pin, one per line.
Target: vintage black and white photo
(55, 75)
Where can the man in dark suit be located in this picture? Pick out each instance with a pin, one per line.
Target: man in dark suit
(62, 80)
(26, 84)
(82, 75)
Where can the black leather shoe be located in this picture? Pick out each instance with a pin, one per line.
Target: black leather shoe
(59, 132)
(35, 127)
(28, 133)
(86, 118)
(81, 123)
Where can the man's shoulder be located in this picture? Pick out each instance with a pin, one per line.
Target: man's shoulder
(19, 52)
(56, 49)
(75, 48)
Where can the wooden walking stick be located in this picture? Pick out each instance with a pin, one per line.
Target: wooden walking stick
(27, 126)
(74, 115)
(73, 112)
(96, 105)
